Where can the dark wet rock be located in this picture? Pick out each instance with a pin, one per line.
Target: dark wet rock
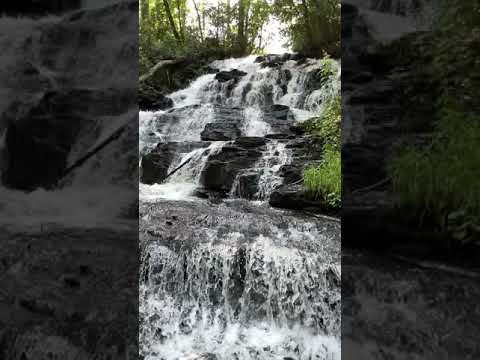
(272, 61)
(287, 75)
(280, 136)
(294, 197)
(151, 99)
(278, 111)
(288, 197)
(292, 173)
(305, 148)
(222, 168)
(250, 142)
(155, 164)
(297, 130)
(224, 76)
(40, 135)
(220, 132)
(280, 118)
(228, 114)
(247, 185)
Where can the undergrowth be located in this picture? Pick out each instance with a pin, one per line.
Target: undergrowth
(438, 185)
(322, 182)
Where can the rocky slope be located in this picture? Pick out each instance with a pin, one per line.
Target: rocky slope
(255, 110)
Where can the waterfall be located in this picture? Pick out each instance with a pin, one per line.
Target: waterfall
(50, 70)
(241, 102)
(235, 280)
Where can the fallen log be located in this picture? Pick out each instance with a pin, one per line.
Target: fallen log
(80, 161)
(431, 265)
(158, 66)
(177, 168)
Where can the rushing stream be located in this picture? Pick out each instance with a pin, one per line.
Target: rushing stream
(238, 279)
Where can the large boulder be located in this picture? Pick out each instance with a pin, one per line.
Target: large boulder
(155, 164)
(280, 119)
(293, 197)
(250, 142)
(224, 76)
(220, 132)
(278, 111)
(291, 173)
(223, 167)
(247, 184)
(41, 134)
(150, 98)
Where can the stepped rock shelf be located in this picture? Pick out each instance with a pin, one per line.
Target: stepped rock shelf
(224, 274)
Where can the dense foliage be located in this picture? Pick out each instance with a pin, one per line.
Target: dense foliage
(438, 183)
(313, 26)
(323, 181)
(442, 178)
(327, 127)
(223, 28)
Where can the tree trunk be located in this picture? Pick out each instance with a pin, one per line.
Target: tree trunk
(246, 27)
(199, 20)
(227, 30)
(171, 21)
(308, 27)
(181, 20)
(144, 13)
(241, 41)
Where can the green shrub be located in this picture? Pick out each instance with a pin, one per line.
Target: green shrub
(324, 182)
(328, 125)
(327, 67)
(441, 181)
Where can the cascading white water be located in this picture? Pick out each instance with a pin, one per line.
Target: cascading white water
(204, 303)
(255, 285)
(275, 157)
(195, 106)
(50, 56)
(231, 283)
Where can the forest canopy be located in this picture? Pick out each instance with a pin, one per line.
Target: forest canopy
(223, 28)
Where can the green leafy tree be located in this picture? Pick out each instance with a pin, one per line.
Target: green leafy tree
(312, 26)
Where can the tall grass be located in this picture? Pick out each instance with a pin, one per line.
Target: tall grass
(442, 180)
(324, 182)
